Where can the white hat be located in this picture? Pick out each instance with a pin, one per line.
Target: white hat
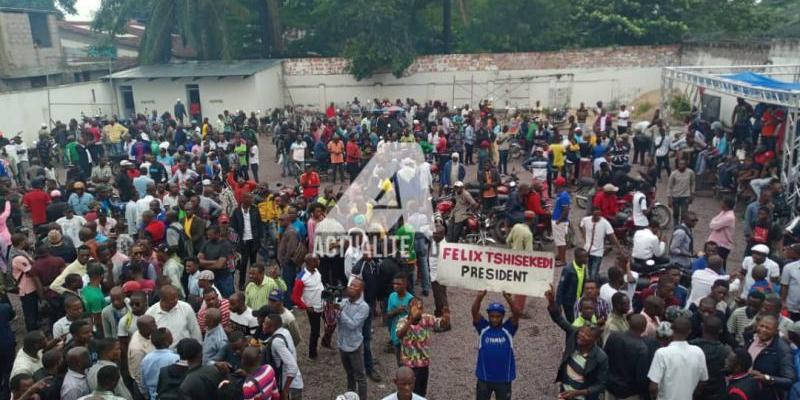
(206, 182)
(760, 248)
(163, 145)
(454, 155)
(416, 121)
(610, 188)
(55, 193)
(145, 137)
(206, 275)
(125, 163)
(44, 125)
(458, 184)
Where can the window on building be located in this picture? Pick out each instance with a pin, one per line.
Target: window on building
(38, 81)
(40, 31)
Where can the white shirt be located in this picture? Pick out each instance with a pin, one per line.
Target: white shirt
(702, 281)
(71, 227)
(607, 292)
(595, 235)
(351, 257)
(299, 151)
(639, 208)
(245, 319)
(25, 364)
(433, 259)
(248, 230)
(773, 273)
(677, 369)
(180, 320)
(254, 155)
(143, 205)
(596, 164)
(646, 245)
(623, 117)
(393, 396)
(662, 146)
(61, 328)
(791, 277)
(312, 289)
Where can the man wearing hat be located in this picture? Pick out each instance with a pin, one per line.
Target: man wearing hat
(561, 219)
(463, 204)
(758, 256)
(496, 367)
(452, 172)
(205, 279)
(606, 202)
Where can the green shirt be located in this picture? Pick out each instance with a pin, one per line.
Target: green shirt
(241, 150)
(257, 296)
(580, 270)
(93, 299)
(406, 232)
(72, 151)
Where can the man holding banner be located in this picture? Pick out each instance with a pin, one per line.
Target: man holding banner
(496, 367)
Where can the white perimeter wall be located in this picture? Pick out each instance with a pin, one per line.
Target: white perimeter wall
(260, 91)
(26, 110)
(590, 85)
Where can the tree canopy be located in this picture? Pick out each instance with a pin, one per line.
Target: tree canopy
(385, 36)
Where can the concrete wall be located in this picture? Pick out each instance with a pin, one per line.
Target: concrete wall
(26, 110)
(18, 55)
(260, 91)
(515, 79)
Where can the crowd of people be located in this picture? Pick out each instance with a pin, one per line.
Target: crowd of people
(162, 267)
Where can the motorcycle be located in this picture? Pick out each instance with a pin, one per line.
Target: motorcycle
(478, 228)
(658, 212)
(558, 116)
(585, 192)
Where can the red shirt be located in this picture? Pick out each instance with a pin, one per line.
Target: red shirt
(330, 112)
(240, 190)
(441, 145)
(607, 203)
(157, 230)
(353, 152)
(534, 203)
(310, 183)
(36, 202)
(764, 158)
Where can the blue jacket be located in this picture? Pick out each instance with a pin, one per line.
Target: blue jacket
(776, 360)
(444, 176)
(567, 291)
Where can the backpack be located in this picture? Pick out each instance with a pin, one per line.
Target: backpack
(183, 243)
(266, 358)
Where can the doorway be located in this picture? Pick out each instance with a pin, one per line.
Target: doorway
(193, 96)
(128, 105)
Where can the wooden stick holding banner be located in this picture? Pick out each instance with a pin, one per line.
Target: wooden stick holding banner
(528, 273)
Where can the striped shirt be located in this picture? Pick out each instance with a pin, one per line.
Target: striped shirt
(261, 385)
(738, 320)
(224, 310)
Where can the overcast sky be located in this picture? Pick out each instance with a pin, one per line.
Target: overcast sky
(86, 9)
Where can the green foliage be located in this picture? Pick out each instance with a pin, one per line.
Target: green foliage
(680, 105)
(642, 109)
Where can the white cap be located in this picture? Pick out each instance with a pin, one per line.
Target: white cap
(178, 100)
(458, 184)
(145, 137)
(760, 248)
(206, 182)
(454, 155)
(163, 145)
(125, 163)
(44, 125)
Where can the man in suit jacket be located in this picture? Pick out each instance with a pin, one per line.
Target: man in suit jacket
(194, 226)
(570, 285)
(247, 225)
(447, 174)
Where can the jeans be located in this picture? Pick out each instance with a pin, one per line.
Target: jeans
(680, 206)
(353, 362)
(30, 308)
(353, 170)
(454, 234)
(254, 168)
(468, 154)
(366, 332)
(225, 284)
(503, 168)
(502, 391)
(594, 266)
(338, 170)
(662, 162)
(249, 252)
(421, 249)
(314, 319)
(288, 272)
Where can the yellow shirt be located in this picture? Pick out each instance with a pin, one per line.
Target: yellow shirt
(269, 211)
(559, 154)
(115, 133)
(187, 226)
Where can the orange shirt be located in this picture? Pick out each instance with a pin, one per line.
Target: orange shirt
(337, 151)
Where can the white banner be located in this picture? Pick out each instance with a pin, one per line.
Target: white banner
(495, 269)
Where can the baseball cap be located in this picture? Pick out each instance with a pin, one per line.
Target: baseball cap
(458, 184)
(206, 275)
(760, 248)
(496, 308)
(610, 188)
(276, 295)
(454, 155)
(125, 163)
(131, 287)
(55, 193)
(560, 181)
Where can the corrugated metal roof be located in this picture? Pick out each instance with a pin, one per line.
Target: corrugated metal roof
(192, 69)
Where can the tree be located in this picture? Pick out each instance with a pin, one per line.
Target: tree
(629, 22)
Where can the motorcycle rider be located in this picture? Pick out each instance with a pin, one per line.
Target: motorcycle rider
(648, 245)
(606, 202)
(463, 204)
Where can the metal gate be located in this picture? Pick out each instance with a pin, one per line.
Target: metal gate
(513, 91)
